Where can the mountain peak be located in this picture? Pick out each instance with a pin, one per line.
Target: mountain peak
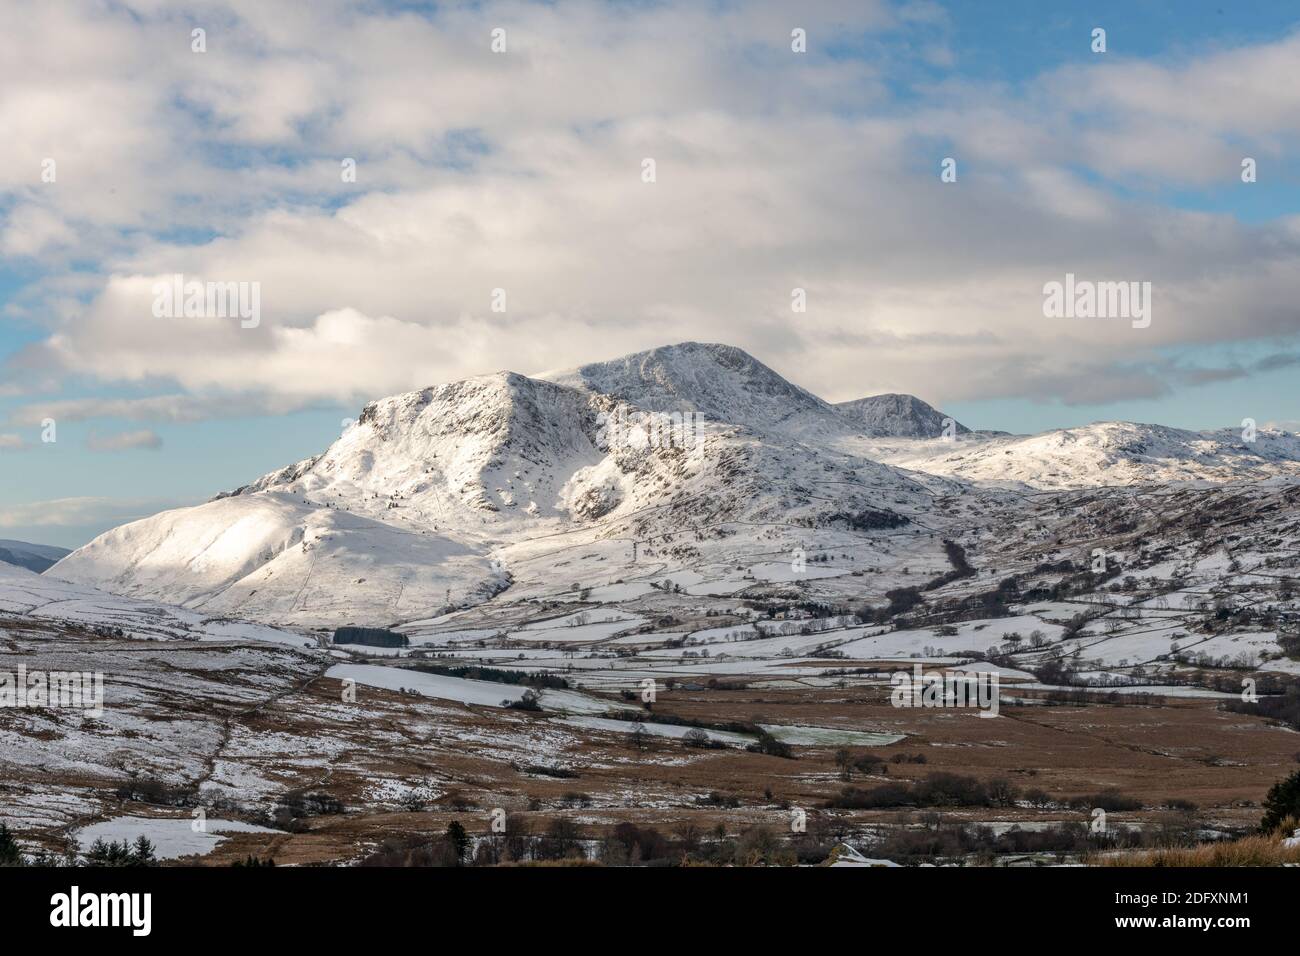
(895, 415)
(719, 382)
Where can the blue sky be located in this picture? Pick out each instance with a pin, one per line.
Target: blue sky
(521, 171)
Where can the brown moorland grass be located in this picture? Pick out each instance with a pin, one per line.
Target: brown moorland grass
(1248, 851)
(543, 864)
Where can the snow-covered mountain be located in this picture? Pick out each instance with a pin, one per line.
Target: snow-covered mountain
(276, 556)
(721, 383)
(33, 557)
(695, 455)
(1102, 454)
(899, 416)
(495, 444)
(404, 514)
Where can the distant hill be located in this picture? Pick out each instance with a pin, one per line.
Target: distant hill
(33, 557)
(897, 416)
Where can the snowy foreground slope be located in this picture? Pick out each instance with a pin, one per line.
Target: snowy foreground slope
(687, 458)
(51, 601)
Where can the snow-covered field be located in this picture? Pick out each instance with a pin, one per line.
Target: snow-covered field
(172, 839)
(477, 693)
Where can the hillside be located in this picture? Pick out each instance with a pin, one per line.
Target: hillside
(898, 416)
(33, 557)
(412, 509)
(1102, 454)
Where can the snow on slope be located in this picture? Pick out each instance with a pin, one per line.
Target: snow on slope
(471, 692)
(414, 499)
(897, 416)
(172, 839)
(478, 459)
(719, 382)
(1104, 453)
(414, 506)
(272, 556)
(463, 451)
(33, 557)
(42, 597)
(390, 522)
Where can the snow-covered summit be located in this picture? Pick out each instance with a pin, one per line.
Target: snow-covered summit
(423, 502)
(718, 382)
(487, 444)
(898, 416)
(403, 513)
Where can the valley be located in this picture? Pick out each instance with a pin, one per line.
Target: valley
(693, 639)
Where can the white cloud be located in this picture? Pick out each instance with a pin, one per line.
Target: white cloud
(80, 512)
(124, 441)
(175, 408)
(521, 171)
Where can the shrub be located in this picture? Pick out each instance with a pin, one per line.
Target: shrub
(10, 853)
(1282, 802)
(414, 850)
(1110, 800)
(938, 790)
(640, 843)
(530, 700)
(716, 799)
(157, 792)
(767, 744)
(699, 739)
(457, 840)
(870, 763)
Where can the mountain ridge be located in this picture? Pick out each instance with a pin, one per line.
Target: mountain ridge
(694, 450)
(33, 557)
(899, 415)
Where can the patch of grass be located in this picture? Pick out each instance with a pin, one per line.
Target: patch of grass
(1248, 851)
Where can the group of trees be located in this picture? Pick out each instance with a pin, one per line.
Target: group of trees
(495, 675)
(847, 761)
(101, 853)
(940, 789)
(562, 840)
(450, 848)
(121, 853)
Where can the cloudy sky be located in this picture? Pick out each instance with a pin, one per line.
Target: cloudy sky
(129, 157)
